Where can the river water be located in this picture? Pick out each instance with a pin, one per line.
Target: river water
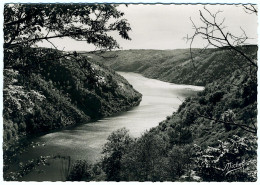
(160, 99)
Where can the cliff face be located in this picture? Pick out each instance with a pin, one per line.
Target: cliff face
(47, 92)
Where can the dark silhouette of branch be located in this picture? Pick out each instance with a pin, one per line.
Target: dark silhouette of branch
(250, 9)
(242, 126)
(180, 99)
(51, 44)
(213, 32)
(22, 20)
(46, 38)
(24, 23)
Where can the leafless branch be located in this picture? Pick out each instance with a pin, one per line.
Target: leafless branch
(51, 44)
(242, 126)
(250, 9)
(213, 32)
(180, 99)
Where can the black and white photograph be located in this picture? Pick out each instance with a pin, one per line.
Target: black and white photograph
(129, 92)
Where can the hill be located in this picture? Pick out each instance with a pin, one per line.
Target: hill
(212, 136)
(214, 129)
(52, 90)
(175, 65)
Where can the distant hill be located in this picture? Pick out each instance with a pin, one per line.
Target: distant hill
(175, 65)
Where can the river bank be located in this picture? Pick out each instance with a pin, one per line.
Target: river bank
(85, 141)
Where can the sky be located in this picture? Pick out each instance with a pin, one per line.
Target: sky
(165, 26)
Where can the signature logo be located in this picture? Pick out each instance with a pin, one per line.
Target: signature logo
(231, 167)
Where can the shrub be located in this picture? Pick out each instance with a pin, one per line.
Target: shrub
(80, 171)
(232, 160)
(117, 144)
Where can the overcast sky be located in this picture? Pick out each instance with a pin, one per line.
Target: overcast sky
(164, 26)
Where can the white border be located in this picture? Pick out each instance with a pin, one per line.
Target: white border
(113, 1)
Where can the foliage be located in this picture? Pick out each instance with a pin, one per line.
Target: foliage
(113, 151)
(232, 160)
(176, 66)
(166, 152)
(60, 93)
(180, 161)
(25, 168)
(145, 159)
(80, 171)
(27, 24)
(149, 158)
(47, 89)
(219, 112)
(19, 103)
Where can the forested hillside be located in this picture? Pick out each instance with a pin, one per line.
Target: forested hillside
(202, 141)
(52, 89)
(176, 66)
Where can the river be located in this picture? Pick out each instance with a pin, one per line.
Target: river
(159, 100)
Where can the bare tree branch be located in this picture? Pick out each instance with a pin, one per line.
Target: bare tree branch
(242, 126)
(213, 32)
(250, 9)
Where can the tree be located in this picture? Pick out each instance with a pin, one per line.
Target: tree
(24, 26)
(232, 160)
(213, 31)
(27, 24)
(250, 9)
(80, 171)
(146, 159)
(114, 149)
(179, 160)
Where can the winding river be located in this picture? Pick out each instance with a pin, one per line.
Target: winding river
(159, 100)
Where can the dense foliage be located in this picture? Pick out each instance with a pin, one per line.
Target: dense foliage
(57, 93)
(176, 66)
(46, 89)
(212, 136)
(27, 24)
(113, 151)
(191, 147)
